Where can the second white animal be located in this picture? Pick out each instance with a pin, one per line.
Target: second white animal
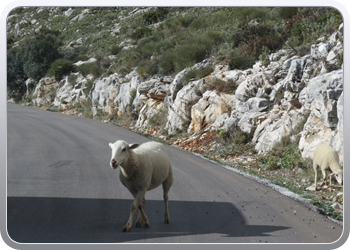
(326, 158)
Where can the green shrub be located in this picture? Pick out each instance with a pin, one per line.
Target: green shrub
(159, 119)
(81, 58)
(133, 94)
(271, 163)
(146, 69)
(61, 67)
(194, 50)
(115, 49)
(93, 68)
(155, 16)
(163, 46)
(188, 76)
(241, 62)
(287, 12)
(140, 33)
(291, 158)
(199, 24)
(166, 62)
(224, 86)
(145, 48)
(197, 74)
(172, 26)
(88, 87)
(245, 14)
(15, 74)
(264, 57)
(39, 52)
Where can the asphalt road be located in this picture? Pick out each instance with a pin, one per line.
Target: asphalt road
(61, 188)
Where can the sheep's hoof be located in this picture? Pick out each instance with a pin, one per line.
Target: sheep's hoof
(166, 221)
(147, 225)
(126, 228)
(139, 223)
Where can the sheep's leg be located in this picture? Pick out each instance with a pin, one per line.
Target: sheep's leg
(324, 174)
(142, 219)
(137, 201)
(139, 220)
(330, 181)
(315, 169)
(166, 187)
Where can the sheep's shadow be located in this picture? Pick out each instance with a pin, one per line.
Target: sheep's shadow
(71, 220)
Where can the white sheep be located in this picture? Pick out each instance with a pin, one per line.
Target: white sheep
(326, 158)
(143, 167)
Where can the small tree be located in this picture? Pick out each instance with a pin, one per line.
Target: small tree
(39, 52)
(15, 74)
(61, 67)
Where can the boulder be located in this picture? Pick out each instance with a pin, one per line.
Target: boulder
(272, 127)
(211, 106)
(337, 142)
(149, 109)
(315, 132)
(179, 114)
(69, 91)
(45, 91)
(156, 88)
(321, 95)
(122, 101)
(104, 92)
(250, 86)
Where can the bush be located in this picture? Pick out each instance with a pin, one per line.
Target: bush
(155, 16)
(89, 85)
(15, 74)
(61, 67)
(146, 69)
(140, 33)
(197, 74)
(163, 46)
(115, 49)
(226, 87)
(75, 55)
(39, 52)
(287, 12)
(241, 62)
(271, 163)
(159, 119)
(195, 50)
(291, 158)
(166, 62)
(133, 94)
(90, 68)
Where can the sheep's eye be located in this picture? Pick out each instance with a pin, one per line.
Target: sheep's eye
(336, 175)
(123, 149)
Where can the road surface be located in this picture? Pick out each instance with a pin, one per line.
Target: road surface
(61, 189)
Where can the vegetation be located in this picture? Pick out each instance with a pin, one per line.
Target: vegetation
(159, 40)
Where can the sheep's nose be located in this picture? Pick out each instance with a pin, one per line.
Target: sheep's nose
(113, 161)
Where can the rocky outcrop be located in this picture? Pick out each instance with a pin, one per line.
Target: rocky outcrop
(321, 98)
(291, 94)
(211, 106)
(45, 91)
(70, 91)
(103, 93)
(179, 116)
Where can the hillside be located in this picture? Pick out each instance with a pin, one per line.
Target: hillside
(253, 88)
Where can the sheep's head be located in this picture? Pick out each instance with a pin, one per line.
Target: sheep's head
(120, 152)
(338, 174)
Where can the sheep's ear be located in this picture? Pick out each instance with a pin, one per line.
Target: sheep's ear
(134, 145)
(110, 145)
